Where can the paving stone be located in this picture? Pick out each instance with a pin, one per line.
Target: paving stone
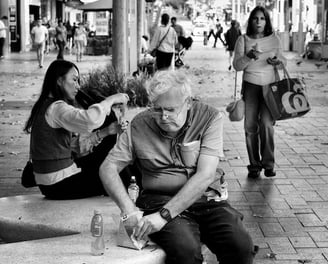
(254, 197)
(286, 189)
(309, 220)
(311, 196)
(236, 196)
(271, 229)
(322, 214)
(254, 229)
(280, 245)
(262, 211)
(302, 242)
(310, 253)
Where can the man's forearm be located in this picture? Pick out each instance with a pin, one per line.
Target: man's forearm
(195, 186)
(190, 192)
(109, 174)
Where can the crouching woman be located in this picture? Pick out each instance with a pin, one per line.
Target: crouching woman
(56, 125)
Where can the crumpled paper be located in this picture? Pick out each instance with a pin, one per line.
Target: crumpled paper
(126, 237)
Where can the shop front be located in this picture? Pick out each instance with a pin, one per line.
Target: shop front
(98, 16)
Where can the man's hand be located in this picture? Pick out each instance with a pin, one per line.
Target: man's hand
(149, 224)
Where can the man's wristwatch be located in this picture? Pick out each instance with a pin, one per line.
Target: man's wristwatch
(165, 214)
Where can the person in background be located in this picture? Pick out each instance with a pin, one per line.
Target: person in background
(211, 29)
(3, 35)
(256, 54)
(144, 44)
(308, 37)
(40, 35)
(164, 40)
(176, 145)
(52, 34)
(231, 37)
(218, 32)
(179, 30)
(61, 132)
(69, 34)
(61, 38)
(80, 38)
(74, 27)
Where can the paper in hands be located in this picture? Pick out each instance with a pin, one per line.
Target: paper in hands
(126, 237)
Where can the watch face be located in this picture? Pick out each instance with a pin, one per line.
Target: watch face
(165, 214)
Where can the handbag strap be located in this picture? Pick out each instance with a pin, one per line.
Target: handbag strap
(235, 91)
(286, 74)
(163, 38)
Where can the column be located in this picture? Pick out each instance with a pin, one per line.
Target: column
(119, 57)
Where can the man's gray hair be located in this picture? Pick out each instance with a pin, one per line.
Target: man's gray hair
(166, 80)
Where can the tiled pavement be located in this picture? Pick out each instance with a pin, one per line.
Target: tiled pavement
(287, 216)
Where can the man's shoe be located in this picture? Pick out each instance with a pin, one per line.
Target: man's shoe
(254, 174)
(269, 173)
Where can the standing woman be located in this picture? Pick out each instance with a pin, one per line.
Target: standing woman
(60, 132)
(256, 54)
(80, 39)
(164, 41)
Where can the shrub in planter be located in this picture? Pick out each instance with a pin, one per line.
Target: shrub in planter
(101, 83)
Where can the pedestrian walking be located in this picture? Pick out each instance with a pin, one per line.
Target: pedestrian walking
(80, 39)
(256, 53)
(61, 38)
(39, 35)
(69, 30)
(164, 41)
(219, 31)
(61, 136)
(231, 37)
(3, 35)
(179, 30)
(176, 145)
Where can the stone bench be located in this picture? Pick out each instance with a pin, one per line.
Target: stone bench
(36, 230)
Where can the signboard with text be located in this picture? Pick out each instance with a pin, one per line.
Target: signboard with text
(102, 24)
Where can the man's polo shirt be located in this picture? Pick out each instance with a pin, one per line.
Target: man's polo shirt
(158, 156)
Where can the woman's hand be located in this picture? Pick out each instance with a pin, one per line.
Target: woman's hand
(253, 54)
(123, 124)
(274, 61)
(119, 98)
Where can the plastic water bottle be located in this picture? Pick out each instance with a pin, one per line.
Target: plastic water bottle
(97, 231)
(133, 189)
(223, 188)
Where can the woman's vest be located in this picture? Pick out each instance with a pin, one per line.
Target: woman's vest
(50, 147)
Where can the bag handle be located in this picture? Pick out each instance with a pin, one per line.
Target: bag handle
(286, 74)
(235, 91)
(163, 38)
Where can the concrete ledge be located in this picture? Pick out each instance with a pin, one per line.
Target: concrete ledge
(59, 232)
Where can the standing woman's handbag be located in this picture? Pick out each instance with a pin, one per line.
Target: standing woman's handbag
(236, 109)
(286, 98)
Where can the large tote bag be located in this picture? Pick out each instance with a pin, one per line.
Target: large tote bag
(286, 98)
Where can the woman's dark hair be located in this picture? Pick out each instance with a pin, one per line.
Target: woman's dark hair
(268, 30)
(165, 19)
(57, 69)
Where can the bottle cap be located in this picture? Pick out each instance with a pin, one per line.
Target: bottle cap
(96, 211)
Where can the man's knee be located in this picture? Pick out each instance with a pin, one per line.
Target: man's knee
(187, 252)
(241, 245)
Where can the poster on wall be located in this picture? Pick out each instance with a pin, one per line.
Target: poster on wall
(102, 24)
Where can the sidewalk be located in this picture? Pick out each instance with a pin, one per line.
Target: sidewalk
(287, 216)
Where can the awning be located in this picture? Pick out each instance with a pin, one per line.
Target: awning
(100, 5)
